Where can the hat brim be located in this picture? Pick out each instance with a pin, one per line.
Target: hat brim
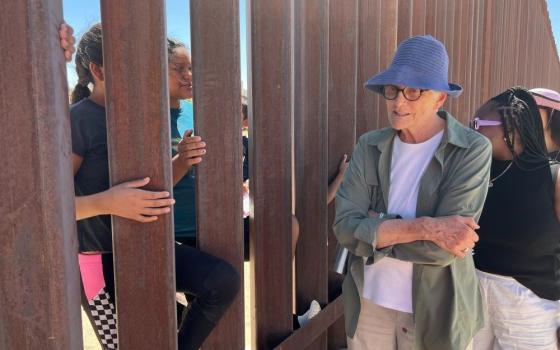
(390, 77)
(546, 101)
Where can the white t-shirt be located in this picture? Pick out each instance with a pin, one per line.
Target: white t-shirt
(388, 282)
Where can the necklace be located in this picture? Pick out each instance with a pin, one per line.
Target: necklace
(491, 183)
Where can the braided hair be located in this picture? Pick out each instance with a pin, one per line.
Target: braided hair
(520, 116)
(89, 51)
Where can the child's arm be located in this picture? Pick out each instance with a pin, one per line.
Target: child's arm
(335, 184)
(190, 151)
(126, 200)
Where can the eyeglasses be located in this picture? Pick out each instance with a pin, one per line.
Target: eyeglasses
(181, 69)
(477, 123)
(390, 92)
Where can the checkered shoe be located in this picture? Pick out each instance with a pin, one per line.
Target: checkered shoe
(104, 319)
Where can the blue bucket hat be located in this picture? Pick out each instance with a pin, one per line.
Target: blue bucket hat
(420, 62)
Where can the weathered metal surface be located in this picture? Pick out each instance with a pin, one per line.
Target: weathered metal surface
(40, 288)
(388, 24)
(310, 141)
(367, 103)
(217, 107)
(135, 63)
(270, 118)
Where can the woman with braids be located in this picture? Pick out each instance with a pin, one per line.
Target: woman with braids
(518, 254)
(213, 282)
(549, 108)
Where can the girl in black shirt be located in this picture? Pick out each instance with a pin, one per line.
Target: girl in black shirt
(212, 282)
(518, 255)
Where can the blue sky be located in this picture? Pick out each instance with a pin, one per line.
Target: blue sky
(82, 14)
(554, 13)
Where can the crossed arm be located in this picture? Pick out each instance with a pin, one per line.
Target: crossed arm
(433, 240)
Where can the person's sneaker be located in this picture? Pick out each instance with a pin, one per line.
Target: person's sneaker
(181, 299)
(314, 309)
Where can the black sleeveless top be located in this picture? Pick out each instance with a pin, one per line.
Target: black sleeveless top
(519, 232)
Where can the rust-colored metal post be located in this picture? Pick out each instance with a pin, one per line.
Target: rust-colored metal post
(342, 78)
(367, 102)
(310, 129)
(217, 105)
(486, 51)
(40, 288)
(270, 140)
(342, 75)
(404, 18)
(419, 17)
(135, 62)
(388, 22)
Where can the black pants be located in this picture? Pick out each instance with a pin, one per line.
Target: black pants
(191, 241)
(210, 282)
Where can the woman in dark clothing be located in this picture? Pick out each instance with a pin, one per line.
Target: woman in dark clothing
(518, 255)
(212, 282)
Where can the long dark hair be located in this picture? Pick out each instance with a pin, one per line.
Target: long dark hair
(520, 116)
(89, 51)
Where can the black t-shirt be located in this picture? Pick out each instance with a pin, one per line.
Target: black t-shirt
(89, 140)
(519, 232)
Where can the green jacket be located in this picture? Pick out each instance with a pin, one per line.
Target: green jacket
(447, 304)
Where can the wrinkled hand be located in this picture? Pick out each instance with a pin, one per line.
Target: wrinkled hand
(67, 41)
(129, 201)
(191, 149)
(454, 234)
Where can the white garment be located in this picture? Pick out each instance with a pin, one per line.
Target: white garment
(515, 317)
(246, 205)
(388, 282)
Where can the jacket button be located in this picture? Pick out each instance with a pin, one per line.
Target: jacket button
(404, 330)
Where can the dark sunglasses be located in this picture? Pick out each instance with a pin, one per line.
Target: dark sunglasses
(390, 92)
